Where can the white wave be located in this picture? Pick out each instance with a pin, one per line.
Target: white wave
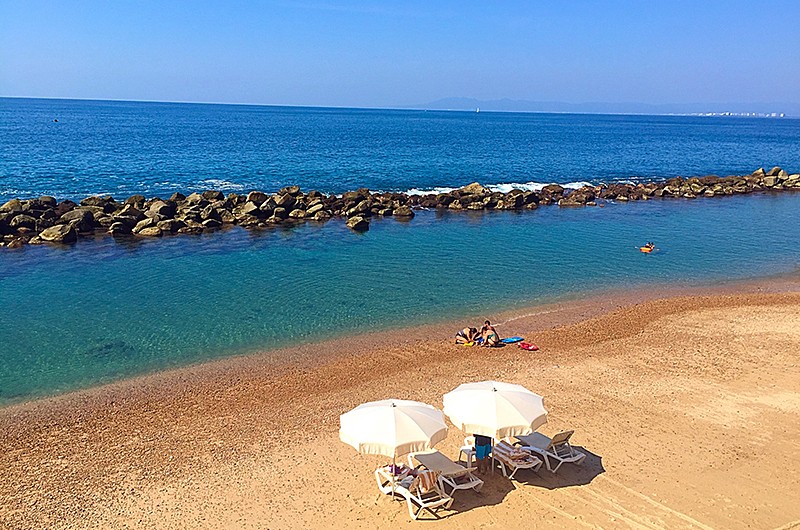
(220, 184)
(503, 187)
(428, 191)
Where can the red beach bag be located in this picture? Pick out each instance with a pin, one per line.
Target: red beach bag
(528, 346)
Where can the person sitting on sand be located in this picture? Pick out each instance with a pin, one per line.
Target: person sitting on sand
(467, 335)
(489, 335)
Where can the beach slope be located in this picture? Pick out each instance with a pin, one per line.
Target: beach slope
(687, 407)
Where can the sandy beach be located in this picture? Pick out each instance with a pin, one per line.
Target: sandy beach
(687, 405)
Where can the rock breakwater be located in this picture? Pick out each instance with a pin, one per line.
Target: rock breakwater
(45, 220)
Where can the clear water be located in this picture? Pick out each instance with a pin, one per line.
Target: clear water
(103, 310)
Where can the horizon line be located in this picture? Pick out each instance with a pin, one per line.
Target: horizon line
(413, 108)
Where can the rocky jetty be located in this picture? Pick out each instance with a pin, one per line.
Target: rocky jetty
(45, 220)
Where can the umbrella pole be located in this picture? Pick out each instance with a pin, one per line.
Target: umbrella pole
(394, 469)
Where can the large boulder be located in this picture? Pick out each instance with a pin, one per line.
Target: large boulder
(257, 197)
(358, 223)
(161, 208)
(475, 189)
(213, 195)
(23, 221)
(553, 189)
(119, 229)
(403, 211)
(290, 190)
(151, 231)
(14, 205)
(64, 207)
(285, 200)
(59, 234)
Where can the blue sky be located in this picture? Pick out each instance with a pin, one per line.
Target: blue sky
(347, 53)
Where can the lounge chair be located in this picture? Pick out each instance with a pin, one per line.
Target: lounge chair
(452, 475)
(421, 492)
(512, 458)
(553, 450)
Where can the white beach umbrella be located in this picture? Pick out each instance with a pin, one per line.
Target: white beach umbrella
(495, 409)
(392, 427)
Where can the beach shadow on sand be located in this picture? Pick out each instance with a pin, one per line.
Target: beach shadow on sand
(496, 487)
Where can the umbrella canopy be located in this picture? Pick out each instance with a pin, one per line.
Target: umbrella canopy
(495, 409)
(392, 427)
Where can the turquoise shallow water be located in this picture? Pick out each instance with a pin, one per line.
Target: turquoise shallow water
(103, 310)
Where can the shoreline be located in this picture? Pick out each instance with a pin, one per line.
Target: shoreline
(223, 443)
(566, 310)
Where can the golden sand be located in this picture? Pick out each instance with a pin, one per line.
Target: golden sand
(688, 408)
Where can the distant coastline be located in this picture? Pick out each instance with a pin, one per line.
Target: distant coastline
(745, 110)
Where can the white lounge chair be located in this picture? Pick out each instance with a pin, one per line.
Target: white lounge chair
(452, 475)
(553, 450)
(512, 458)
(421, 492)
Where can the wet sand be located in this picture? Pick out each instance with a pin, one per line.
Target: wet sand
(687, 403)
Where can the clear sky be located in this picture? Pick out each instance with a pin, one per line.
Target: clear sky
(347, 53)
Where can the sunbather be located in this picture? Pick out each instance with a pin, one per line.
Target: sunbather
(466, 335)
(489, 335)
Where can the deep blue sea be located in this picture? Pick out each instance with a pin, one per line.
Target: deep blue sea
(103, 310)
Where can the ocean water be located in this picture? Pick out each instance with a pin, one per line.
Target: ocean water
(104, 309)
(123, 148)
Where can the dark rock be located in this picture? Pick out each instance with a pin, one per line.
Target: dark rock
(290, 190)
(297, 214)
(403, 211)
(23, 221)
(322, 215)
(474, 189)
(49, 202)
(135, 200)
(150, 231)
(257, 197)
(212, 223)
(177, 197)
(16, 243)
(64, 207)
(41, 224)
(143, 224)
(195, 198)
(553, 189)
(285, 200)
(213, 195)
(166, 209)
(358, 223)
(59, 234)
(209, 212)
(280, 213)
(130, 210)
(248, 221)
(14, 205)
(119, 229)
(250, 208)
(170, 225)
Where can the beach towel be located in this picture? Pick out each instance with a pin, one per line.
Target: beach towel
(426, 481)
(528, 346)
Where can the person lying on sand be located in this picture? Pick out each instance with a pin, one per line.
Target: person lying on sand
(467, 335)
(489, 335)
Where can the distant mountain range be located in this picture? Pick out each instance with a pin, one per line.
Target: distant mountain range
(517, 105)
